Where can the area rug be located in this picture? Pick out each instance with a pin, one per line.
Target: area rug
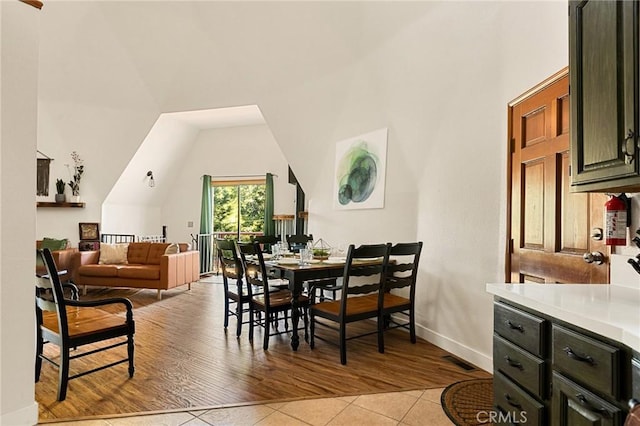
(468, 402)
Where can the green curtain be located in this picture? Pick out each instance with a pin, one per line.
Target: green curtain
(269, 225)
(205, 243)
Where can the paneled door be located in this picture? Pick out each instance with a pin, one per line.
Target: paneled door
(553, 235)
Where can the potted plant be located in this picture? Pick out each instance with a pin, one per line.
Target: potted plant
(78, 169)
(60, 185)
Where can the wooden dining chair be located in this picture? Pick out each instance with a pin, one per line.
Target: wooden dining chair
(266, 305)
(236, 295)
(70, 324)
(402, 273)
(266, 241)
(298, 241)
(361, 296)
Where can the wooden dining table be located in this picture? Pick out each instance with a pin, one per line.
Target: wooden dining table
(297, 275)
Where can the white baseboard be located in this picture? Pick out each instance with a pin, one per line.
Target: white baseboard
(26, 416)
(461, 351)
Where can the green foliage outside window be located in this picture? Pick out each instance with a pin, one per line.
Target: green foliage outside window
(239, 204)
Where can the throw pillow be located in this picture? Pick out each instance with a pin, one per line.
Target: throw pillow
(53, 244)
(172, 249)
(113, 254)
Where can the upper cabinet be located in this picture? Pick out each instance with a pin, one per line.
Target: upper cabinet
(603, 78)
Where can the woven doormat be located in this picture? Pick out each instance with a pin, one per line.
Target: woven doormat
(468, 402)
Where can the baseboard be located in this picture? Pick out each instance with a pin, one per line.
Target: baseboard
(468, 354)
(22, 417)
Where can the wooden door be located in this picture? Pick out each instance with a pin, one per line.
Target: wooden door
(549, 227)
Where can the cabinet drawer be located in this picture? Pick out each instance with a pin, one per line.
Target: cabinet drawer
(514, 404)
(519, 327)
(574, 405)
(586, 360)
(522, 367)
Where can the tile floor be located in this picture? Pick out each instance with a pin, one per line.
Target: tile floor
(410, 408)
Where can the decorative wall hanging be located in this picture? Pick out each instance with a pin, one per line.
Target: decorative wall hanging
(360, 171)
(42, 174)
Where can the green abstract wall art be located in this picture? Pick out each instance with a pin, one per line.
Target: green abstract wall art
(360, 171)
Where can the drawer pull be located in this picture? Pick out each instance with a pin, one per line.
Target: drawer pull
(513, 363)
(582, 358)
(512, 402)
(513, 326)
(586, 404)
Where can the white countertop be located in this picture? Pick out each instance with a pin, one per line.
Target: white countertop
(609, 310)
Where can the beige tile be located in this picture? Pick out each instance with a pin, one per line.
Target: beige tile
(196, 422)
(280, 419)
(276, 405)
(172, 419)
(395, 404)
(425, 412)
(433, 395)
(315, 411)
(248, 415)
(348, 398)
(197, 412)
(416, 393)
(354, 415)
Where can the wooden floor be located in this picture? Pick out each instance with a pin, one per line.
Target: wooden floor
(184, 359)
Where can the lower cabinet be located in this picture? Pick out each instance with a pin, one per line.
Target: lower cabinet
(570, 377)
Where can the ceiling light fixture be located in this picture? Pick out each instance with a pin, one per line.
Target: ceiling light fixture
(152, 181)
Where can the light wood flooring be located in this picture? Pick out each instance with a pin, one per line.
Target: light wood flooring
(185, 360)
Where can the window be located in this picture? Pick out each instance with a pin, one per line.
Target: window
(238, 208)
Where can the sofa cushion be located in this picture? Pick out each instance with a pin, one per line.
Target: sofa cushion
(156, 251)
(140, 272)
(53, 244)
(138, 252)
(99, 270)
(113, 254)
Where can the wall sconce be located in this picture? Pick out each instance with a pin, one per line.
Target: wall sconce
(152, 181)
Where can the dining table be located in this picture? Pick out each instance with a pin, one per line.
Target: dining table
(297, 275)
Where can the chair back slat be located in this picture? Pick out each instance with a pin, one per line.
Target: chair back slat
(256, 275)
(46, 305)
(55, 296)
(43, 282)
(403, 266)
(361, 277)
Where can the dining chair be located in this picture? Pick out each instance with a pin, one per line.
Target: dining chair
(402, 272)
(266, 241)
(70, 324)
(298, 241)
(236, 295)
(361, 296)
(269, 302)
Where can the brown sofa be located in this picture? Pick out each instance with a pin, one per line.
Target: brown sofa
(63, 260)
(147, 267)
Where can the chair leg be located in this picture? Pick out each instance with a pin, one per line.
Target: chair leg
(251, 323)
(39, 348)
(412, 325)
(239, 307)
(130, 348)
(306, 325)
(312, 327)
(267, 325)
(381, 334)
(343, 343)
(226, 312)
(286, 320)
(63, 373)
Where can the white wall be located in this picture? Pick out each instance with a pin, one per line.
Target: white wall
(439, 75)
(231, 151)
(18, 111)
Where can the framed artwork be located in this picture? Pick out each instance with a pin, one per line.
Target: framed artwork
(360, 171)
(89, 231)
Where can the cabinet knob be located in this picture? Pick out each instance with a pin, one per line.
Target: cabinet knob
(629, 147)
(594, 257)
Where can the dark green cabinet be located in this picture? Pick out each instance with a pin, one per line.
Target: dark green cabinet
(603, 79)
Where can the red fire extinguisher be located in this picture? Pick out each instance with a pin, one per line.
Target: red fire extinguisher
(615, 222)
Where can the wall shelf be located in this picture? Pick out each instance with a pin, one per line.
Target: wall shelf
(52, 204)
